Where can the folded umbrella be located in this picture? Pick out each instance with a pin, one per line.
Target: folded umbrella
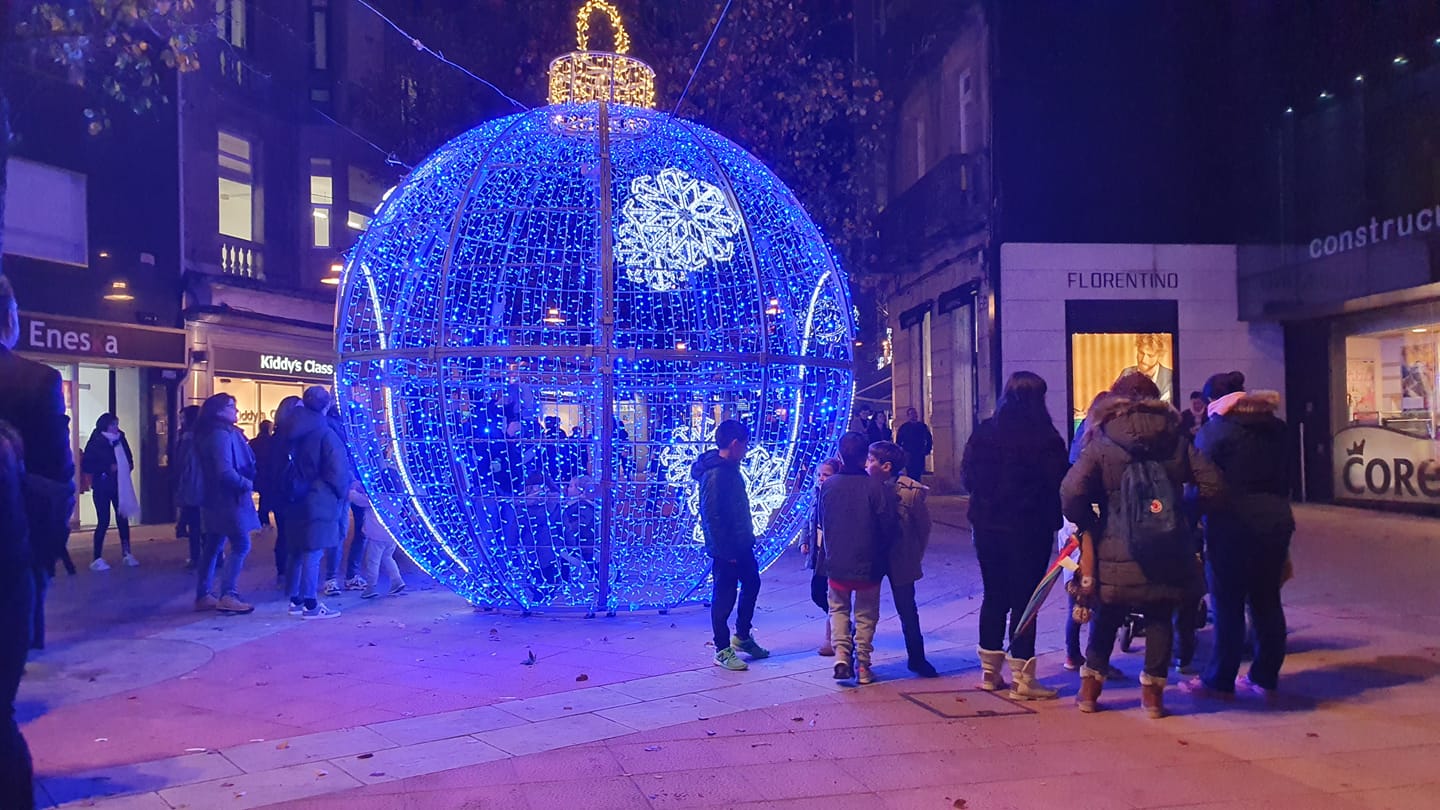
(1047, 583)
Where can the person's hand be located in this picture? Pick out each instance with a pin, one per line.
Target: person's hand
(804, 548)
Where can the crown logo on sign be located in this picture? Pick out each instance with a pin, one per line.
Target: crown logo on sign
(1356, 449)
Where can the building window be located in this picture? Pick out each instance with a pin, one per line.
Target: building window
(46, 216)
(919, 148)
(357, 221)
(322, 200)
(320, 33)
(231, 23)
(967, 111)
(237, 192)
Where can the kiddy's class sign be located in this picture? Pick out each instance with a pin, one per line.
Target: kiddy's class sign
(1380, 464)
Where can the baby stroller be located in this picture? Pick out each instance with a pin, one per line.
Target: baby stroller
(1193, 618)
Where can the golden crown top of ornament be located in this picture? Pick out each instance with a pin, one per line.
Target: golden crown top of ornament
(586, 75)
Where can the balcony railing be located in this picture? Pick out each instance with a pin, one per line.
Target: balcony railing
(950, 201)
(240, 258)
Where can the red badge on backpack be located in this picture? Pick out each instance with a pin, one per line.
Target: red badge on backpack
(1156, 507)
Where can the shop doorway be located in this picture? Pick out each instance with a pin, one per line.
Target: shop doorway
(91, 391)
(257, 400)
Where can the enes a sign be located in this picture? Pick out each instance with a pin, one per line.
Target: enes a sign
(56, 335)
(1379, 464)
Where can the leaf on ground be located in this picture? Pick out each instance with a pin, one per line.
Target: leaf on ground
(1311, 734)
(369, 644)
(758, 745)
(319, 774)
(709, 733)
(227, 784)
(102, 739)
(582, 677)
(529, 658)
(282, 746)
(377, 773)
(365, 756)
(959, 804)
(797, 719)
(652, 748)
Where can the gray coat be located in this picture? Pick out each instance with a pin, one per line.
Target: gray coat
(860, 521)
(227, 473)
(1129, 429)
(909, 548)
(314, 522)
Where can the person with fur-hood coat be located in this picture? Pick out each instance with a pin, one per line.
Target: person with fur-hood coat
(1247, 534)
(1133, 426)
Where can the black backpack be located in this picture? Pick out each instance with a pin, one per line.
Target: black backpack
(1151, 517)
(290, 484)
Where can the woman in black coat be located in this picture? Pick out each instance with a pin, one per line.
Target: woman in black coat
(227, 511)
(102, 462)
(1134, 426)
(1012, 468)
(1247, 535)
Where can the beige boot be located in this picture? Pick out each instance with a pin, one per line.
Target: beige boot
(827, 649)
(1152, 695)
(990, 662)
(1091, 684)
(1025, 686)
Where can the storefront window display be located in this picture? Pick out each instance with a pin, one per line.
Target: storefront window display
(1386, 448)
(1098, 359)
(94, 390)
(256, 400)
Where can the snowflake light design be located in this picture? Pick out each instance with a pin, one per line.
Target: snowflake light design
(762, 470)
(828, 321)
(673, 225)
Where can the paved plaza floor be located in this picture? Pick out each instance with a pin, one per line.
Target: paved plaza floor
(419, 701)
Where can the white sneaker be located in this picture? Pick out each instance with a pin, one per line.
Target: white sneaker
(355, 584)
(100, 565)
(131, 561)
(320, 612)
(332, 588)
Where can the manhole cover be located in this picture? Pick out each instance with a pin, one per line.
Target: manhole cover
(966, 703)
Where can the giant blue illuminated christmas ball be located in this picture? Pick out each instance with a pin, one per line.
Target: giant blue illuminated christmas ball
(541, 328)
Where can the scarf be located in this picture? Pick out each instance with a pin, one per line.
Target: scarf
(129, 503)
(1222, 406)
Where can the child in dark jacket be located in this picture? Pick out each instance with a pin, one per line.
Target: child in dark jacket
(730, 541)
(858, 519)
(812, 549)
(884, 463)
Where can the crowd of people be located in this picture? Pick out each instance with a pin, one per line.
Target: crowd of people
(1167, 508)
(301, 470)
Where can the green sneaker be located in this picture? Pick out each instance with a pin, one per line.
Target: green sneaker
(728, 659)
(749, 647)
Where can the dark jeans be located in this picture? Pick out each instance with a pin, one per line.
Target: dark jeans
(744, 574)
(190, 523)
(909, 613)
(356, 553)
(914, 465)
(282, 541)
(1187, 626)
(266, 510)
(1107, 621)
(107, 496)
(820, 593)
(17, 601)
(1246, 570)
(209, 557)
(1072, 633)
(40, 580)
(1012, 563)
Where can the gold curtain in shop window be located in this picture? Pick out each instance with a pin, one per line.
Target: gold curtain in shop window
(1098, 359)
